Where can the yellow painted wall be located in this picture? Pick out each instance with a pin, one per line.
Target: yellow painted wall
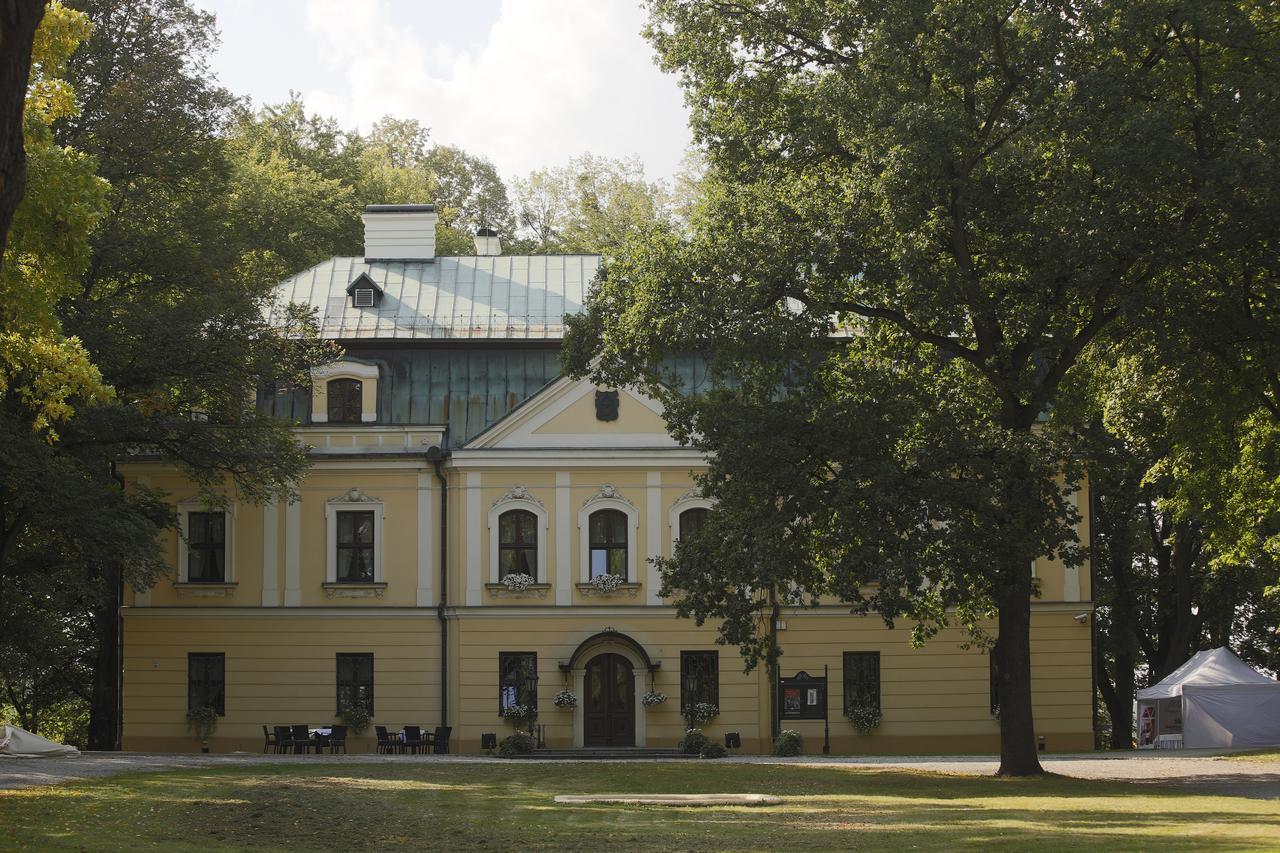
(280, 660)
(280, 670)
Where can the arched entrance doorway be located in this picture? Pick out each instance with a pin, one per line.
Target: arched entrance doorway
(609, 712)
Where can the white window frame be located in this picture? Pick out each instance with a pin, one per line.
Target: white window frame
(519, 498)
(608, 498)
(353, 501)
(322, 376)
(689, 500)
(185, 508)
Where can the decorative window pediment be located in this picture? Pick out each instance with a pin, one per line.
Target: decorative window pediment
(690, 501)
(609, 534)
(517, 505)
(354, 543)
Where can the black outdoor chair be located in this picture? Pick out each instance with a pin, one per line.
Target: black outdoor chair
(386, 745)
(301, 738)
(268, 739)
(413, 739)
(337, 739)
(284, 739)
(440, 739)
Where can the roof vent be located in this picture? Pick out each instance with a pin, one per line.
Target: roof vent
(400, 232)
(487, 242)
(364, 292)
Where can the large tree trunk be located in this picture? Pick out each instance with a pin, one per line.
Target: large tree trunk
(18, 22)
(104, 708)
(1013, 666)
(1117, 693)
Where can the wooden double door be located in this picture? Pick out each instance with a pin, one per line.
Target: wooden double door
(610, 707)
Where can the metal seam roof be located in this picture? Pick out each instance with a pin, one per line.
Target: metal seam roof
(484, 297)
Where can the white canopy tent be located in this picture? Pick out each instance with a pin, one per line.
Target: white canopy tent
(20, 743)
(1213, 700)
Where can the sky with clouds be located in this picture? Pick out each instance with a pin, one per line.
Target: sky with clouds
(526, 83)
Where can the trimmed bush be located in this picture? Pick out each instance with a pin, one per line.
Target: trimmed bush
(789, 743)
(520, 743)
(693, 743)
(713, 750)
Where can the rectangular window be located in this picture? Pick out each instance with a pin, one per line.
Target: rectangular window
(517, 679)
(355, 546)
(355, 681)
(206, 686)
(206, 547)
(861, 680)
(699, 678)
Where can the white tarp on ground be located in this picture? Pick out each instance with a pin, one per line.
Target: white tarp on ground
(20, 743)
(1213, 700)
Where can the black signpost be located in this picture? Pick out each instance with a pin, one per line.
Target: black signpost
(804, 697)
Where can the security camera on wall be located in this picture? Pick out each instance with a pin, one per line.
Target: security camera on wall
(1081, 618)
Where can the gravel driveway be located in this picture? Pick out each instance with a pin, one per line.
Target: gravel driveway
(1202, 771)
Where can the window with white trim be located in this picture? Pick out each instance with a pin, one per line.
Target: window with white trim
(517, 543)
(353, 528)
(344, 392)
(205, 547)
(608, 541)
(518, 523)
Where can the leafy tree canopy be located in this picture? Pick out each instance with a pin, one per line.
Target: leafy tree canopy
(975, 195)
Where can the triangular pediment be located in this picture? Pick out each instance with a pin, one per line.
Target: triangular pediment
(565, 415)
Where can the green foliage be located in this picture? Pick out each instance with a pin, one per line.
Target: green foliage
(713, 750)
(916, 221)
(788, 743)
(520, 743)
(693, 742)
(202, 722)
(44, 372)
(357, 718)
(591, 205)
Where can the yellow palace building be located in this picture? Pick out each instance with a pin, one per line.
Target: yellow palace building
(450, 455)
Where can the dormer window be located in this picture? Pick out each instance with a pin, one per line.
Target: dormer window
(345, 392)
(364, 292)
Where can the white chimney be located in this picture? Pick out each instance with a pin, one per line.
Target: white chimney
(400, 232)
(487, 242)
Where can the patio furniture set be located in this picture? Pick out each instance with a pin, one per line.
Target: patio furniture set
(302, 739)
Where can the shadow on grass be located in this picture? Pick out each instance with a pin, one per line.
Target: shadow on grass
(464, 807)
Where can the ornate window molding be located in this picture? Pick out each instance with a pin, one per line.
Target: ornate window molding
(608, 497)
(519, 498)
(365, 373)
(352, 500)
(185, 508)
(691, 499)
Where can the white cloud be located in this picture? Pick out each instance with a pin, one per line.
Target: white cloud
(555, 78)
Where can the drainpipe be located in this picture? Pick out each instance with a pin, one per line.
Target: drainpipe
(119, 721)
(436, 456)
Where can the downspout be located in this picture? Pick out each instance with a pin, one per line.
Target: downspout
(119, 720)
(436, 456)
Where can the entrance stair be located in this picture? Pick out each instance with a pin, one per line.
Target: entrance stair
(607, 753)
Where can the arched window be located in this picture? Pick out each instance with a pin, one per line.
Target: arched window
(691, 521)
(344, 401)
(608, 538)
(517, 543)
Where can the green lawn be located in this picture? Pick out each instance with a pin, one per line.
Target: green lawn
(508, 807)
